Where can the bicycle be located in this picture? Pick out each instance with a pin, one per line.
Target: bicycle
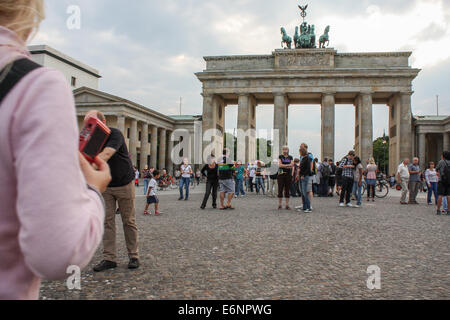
(381, 188)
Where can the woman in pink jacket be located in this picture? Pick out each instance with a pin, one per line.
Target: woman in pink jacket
(51, 209)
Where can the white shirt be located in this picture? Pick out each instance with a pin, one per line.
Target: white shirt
(186, 171)
(137, 174)
(403, 171)
(153, 185)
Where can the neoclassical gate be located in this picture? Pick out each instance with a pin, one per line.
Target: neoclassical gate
(313, 76)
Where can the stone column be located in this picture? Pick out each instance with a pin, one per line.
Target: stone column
(365, 126)
(280, 121)
(145, 145)
(446, 140)
(328, 126)
(405, 136)
(213, 123)
(162, 149)
(133, 141)
(246, 125)
(121, 124)
(422, 153)
(154, 147)
(169, 162)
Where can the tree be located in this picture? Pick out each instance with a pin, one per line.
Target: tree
(381, 153)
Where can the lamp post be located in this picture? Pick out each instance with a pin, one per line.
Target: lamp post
(384, 154)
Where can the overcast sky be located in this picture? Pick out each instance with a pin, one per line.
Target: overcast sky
(148, 51)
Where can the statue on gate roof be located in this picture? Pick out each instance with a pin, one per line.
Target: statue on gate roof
(306, 39)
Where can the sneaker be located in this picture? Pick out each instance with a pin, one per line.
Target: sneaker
(179, 199)
(341, 204)
(105, 265)
(357, 206)
(157, 213)
(146, 213)
(350, 205)
(133, 264)
(438, 212)
(308, 211)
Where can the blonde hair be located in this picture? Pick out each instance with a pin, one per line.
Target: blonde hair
(22, 16)
(372, 161)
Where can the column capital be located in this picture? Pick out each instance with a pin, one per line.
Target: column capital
(328, 93)
(279, 94)
(207, 94)
(365, 93)
(407, 93)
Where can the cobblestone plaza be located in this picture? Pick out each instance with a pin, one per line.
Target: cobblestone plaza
(258, 252)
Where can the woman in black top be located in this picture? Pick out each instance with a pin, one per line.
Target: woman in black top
(210, 171)
(285, 162)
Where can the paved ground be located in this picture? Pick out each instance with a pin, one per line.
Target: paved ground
(257, 252)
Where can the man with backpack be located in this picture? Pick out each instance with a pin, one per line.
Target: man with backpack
(325, 173)
(443, 171)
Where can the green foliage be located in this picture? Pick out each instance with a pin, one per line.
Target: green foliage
(381, 153)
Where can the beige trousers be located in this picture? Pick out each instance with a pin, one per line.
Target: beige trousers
(124, 197)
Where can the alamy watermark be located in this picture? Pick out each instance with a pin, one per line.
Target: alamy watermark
(73, 282)
(374, 280)
(73, 22)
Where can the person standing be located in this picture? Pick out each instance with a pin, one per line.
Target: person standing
(316, 177)
(240, 173)
(332, 180)
(310, 180)
(259, 178)
(403, 179)
(251, 176)
(357, 180)
(443, 171)
(136, 176)
(198, 175)
(325, 173)
(186, 173)
(295, 185)
(120, 193)
(52, 210)
(347, 179)
(210, 171)
(338, 179)
(371, 179)
(432, 180)
(304, 174)
(273, 179)
(285, 162)
(152, 198)
(226, 181)
(414, 181)
(147, 176)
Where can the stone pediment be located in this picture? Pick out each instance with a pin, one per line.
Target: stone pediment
(86, 95)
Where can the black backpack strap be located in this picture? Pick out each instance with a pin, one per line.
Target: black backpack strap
(13, 73)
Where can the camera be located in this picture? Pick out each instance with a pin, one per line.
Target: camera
(92, 138)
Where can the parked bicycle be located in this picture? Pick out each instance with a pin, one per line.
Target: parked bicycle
(381, 188)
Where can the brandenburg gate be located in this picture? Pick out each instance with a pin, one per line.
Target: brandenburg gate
(320, 76)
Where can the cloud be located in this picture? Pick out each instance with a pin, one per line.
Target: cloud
(148, 51)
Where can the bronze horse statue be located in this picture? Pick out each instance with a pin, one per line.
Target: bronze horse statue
(324, 38)
(287, 40)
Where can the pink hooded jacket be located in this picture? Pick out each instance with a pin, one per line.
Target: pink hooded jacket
(49, 219)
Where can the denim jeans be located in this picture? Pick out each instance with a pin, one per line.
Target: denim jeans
(240, 186)
(357, 192)
(305, 197)
(432, 190)
(260, 184)
(146, 182)
(184, 182)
